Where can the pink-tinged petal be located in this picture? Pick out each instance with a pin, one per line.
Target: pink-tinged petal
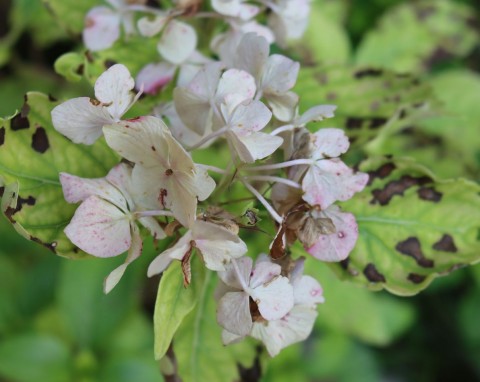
(153, 77)
(217, 245)
(329, 143)
(338, 245)
(330, 180)
(259, 29)
(235, 87)
(134, 253)
(232, 279)
(148, 27)
(307, 291)
(248, 11)
(274, 298)
(252, 54)
(76, 189)
(249, 118)
(81, 120)
(233, 313)
(178, 42)
(176, 252)
(254, 146)
(113, 88)
(102, 28)
(99, 228)
(280, 74)
(283, 105)
(316, 113)
(263, 272)
(194, 110)
(296, 326)
(120, 176)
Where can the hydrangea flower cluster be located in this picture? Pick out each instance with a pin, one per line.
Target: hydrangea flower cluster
(245, 101)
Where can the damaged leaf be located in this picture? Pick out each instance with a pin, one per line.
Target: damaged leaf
(412, 227)
(31, 157)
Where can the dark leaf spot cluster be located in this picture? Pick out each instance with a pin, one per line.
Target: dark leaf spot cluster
(412, 247)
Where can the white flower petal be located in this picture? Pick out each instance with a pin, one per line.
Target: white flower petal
(274, 298)
(159, 264)
(283, 105)
(248, 118)
(102, 28)
(204, 184)
(307, 291)
(233, 313)
(280, 74)
(252, 54)
(263, 272)
(99, 228)
(149, 27)
(81, 119)
(153, 77)
(316, 113)
(329, 143)
(153, 226)
(235, 87)
(294, 327)
(338, 245)
(178, 42)
(230, 338)
(134, 252)
(254, 146)
(330, 180)
(230, 276)
(114, 88)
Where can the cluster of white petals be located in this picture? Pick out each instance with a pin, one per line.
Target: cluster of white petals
(244, 104)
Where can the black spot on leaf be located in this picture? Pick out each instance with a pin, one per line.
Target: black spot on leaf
(2, 190)
(396, 187)
(354, 123)
(430, 194)
(445, 244)
(438, 56)
(254, 372)
(18, 122)
(40, 140)
(2, 135)
(372, 274)
(375, 123)
(80, 69)
(382, 172)
(416, 278)
(344, 263)
(52, 98)
(369, 72)
(109, 63)
(50, 246)
(411, 247)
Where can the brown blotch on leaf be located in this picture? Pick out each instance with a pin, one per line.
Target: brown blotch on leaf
(109, 63)
(411, 247)
(372, 274)
(369, 72)
(9, 212)
(2, 135)
(331, 96)
(438, 56)
(2, 191)
(51, 246)
(254, 372)
(445, 244)
(19, 122)
(52, 98)
(375, 123)
(89, 56)
(396, 187)
(344, 263)
(430, 194)
(382, 172)
(416, 278)
(354, 123)
(80, 69)
(424, 12)
(153, 148)
(40, 140)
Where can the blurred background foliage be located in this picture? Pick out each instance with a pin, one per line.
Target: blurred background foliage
(55, 323)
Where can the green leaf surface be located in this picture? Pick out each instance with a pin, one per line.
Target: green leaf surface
(34, 357)
(70, 14)
(198, 344)
(173, 303)
(412, 227)
(32, 154)
(374, 318)
(366, 98)
(415, 36)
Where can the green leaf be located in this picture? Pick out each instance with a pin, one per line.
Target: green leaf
(70, 14)
(198, 344)
(374, 318)
(173, 303)
(34, 357)
(32, 154)
(126, 369)
(415, 36)
(412, 227)
(367, 98)
(325, 41)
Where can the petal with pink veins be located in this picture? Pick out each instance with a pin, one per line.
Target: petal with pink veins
(102, 28)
